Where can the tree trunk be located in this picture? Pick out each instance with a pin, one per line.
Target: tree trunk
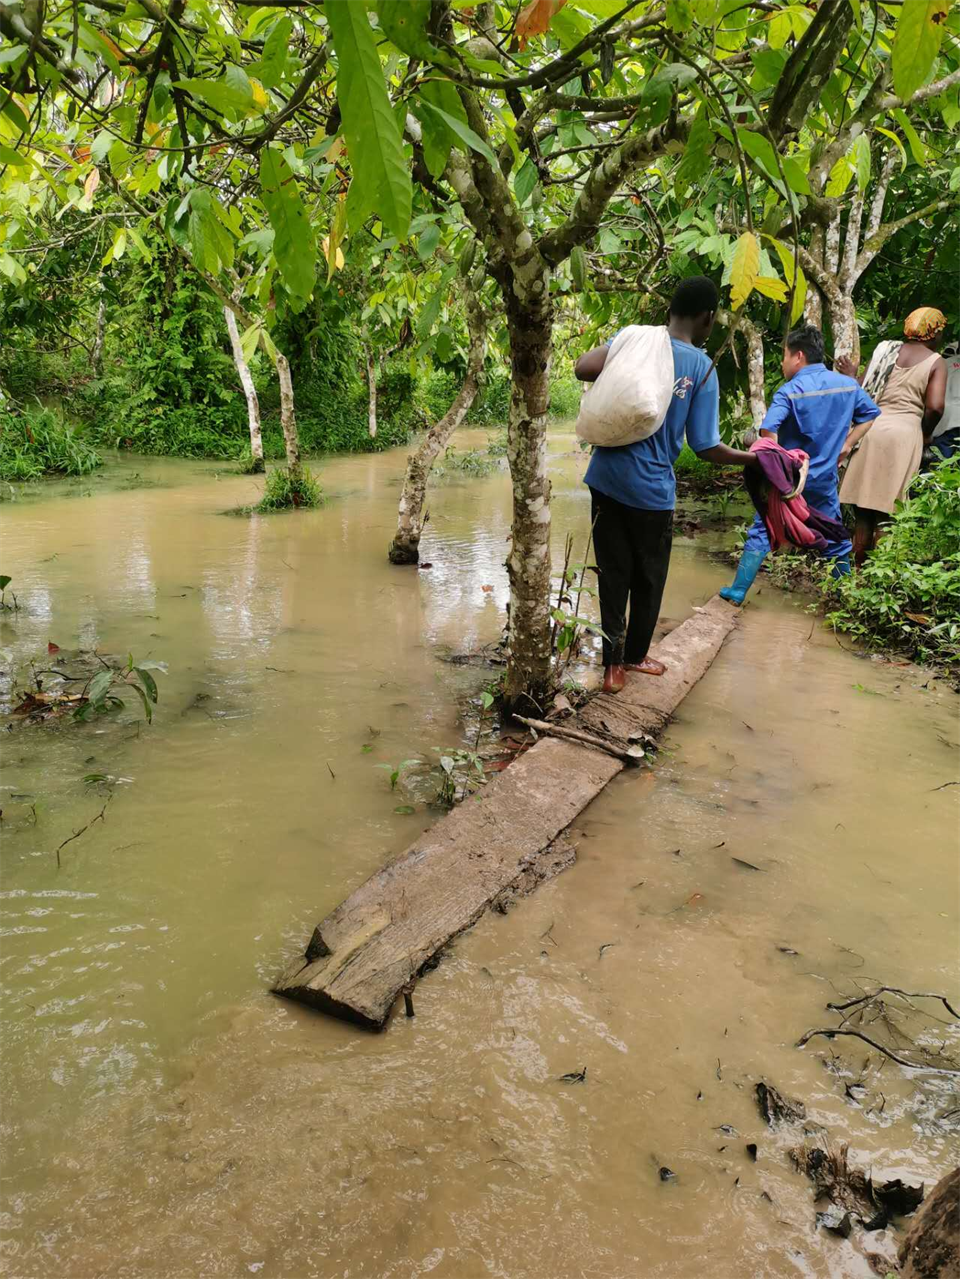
(528, 675)
(405, 547)
(843, 323)
(96, 357)
(288, 417)
(813, 307)
(249, 390)
(758, 403)
(371, 392)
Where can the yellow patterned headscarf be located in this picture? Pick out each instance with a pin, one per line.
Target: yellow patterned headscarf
(923, 324)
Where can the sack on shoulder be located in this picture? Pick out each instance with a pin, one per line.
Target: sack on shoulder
(630, 398)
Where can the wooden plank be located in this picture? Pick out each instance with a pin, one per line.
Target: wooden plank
(497, 844)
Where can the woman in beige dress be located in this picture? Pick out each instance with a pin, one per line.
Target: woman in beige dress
(911, 395)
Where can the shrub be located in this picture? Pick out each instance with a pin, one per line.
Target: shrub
(39, 442)
(907, 594)
(287, 488)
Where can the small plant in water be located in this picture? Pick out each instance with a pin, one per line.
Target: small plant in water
(247, 464)
(461, 771)
(568, 624)
(470, 462)
(5, 581)
(396, 770)
(103, 692)
(288, 487)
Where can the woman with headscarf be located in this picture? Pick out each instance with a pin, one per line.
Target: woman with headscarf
(908, 381)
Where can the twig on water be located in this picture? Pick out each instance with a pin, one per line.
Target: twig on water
(77, 833)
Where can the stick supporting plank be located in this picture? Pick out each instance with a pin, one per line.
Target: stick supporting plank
(364, 952)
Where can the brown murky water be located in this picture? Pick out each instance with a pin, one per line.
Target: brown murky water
(165, 1116)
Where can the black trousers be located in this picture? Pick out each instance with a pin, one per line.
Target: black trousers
(632, 550)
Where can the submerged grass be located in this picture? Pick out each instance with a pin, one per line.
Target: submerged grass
(288, 488)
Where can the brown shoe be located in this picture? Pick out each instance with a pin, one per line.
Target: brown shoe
(614, 679)
(649, 666)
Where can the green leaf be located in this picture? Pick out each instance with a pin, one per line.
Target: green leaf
(14, 159)
(840, 177)
(916, 43)
(460, 129)
(860, 154)
(679, 15)
(759, 148)
(427, 242)
(888, 133)
(294, 245)
(918, 150)
(437, 137)
(12, 52)
(381, 177)
(5, 581)
(147, 708)
(405, 809)
(227, 96)
(99, 685)
(525, 180)
(273, 60)
(696, 158)
(797, 180)
(769, 64)
(744, 269)
(148, 682)
(404, 23)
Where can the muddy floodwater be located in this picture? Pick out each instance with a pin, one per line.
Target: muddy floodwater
(165, 1116)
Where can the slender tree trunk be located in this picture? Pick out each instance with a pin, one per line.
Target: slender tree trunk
(249, 390)
(288, 417)
(96, 357)
(758, 403)
(371, 392)
(405, 547)
(528, 675)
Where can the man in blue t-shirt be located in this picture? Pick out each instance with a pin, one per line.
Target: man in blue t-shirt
(824, 414)
(633, 488)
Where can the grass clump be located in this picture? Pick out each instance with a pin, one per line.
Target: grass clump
(38, 442)
(907, 594)
(289, 488)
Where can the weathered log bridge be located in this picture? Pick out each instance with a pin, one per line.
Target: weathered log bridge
(497, 845)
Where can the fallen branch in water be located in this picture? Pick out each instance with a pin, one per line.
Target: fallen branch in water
(856, 1034)
(77, 833)
(892, 990)
(574, 735)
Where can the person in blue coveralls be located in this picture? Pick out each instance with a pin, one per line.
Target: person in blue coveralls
(823, 413)
(633, 488)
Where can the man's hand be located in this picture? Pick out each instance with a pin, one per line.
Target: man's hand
(843, 364)
(723, 455)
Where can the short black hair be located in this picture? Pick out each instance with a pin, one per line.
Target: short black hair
(694, 296)
(808, 339)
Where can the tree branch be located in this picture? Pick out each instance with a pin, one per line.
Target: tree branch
(880, 193)
(602, 183)
(879, 238)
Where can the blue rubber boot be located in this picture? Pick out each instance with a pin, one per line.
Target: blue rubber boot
(747, 570)
(841, 566)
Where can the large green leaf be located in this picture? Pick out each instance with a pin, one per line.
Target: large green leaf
(438, 137)
(294, 245)
(210, 243)
(404, 22)
(696, 154)
(381, 177)
(916, 43)
(273, 60)
(787, 262)
(462, 131)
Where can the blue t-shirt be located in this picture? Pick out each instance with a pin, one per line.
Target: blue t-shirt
(641, 474)
(814, 412)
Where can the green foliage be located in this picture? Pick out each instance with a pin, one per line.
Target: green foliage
(288, 488)
(474, 462)
(907, 594)
(460, 772)
(247, 464)
(102, 694)
(39, 442)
